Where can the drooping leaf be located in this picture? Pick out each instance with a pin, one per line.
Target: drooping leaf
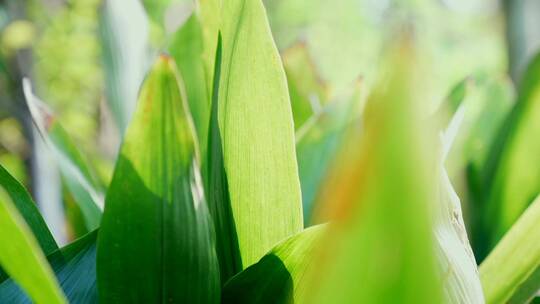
(510, 272)
(27, 208)
(76, 172)
(186, 49)
(279, 277)
(512, 175)
(124, 31)
(156, 228)
(21, 257)
(75, 269)
(380, 248)
(257, 131)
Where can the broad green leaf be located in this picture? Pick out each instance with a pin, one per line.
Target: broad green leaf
(76, 172)
(279, 277)
(512, 173)
(21, 257)
(27, 208)
(217, 190)
(75, 269)
(257, 131)
(510, 272)
(186, 48)
(124, 33)
(380, 248)
(156, 230)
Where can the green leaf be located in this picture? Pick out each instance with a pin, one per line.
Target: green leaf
(156, 228)
(124, 33)
(76, 172)
(21, 257)
(280, 275)
(257, 130)
(510, 272)
(27, 208)
(217, 190)
(75, 269)
(186, 48)
(509, 179)
(380, 248)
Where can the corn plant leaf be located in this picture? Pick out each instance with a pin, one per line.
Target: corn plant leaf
(456, 260)
(27, 208)
(510, 272)
(76, 172)
(380, 248)
(156, 228)
(186, 48)
(75, 269)
(510, 182)
(257, 130)
(217, 189)
(21, 257)
(279, 277)
(124, 32)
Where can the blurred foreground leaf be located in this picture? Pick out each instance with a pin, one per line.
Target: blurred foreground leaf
(257, 131)
(380, 248)
(156, 228)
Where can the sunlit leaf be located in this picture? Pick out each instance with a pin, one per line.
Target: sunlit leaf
(279, 277)
(510, 272)
(27, 208)
(76, 172)
(510, 183)
(21, 257)
(257, 131)
(156, 228)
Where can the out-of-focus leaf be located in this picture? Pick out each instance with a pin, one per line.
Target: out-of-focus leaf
(75, 269)
(217, 190)
(510, 272)
(209, 12)
(27, 208)
(76, 172)
(186, 48)
(380, 248)
(256, 126)
(279, 276)
(307, 90)
(156, 228)
(124, 31)
(318, 142)
(21, 257)
(511, 177)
